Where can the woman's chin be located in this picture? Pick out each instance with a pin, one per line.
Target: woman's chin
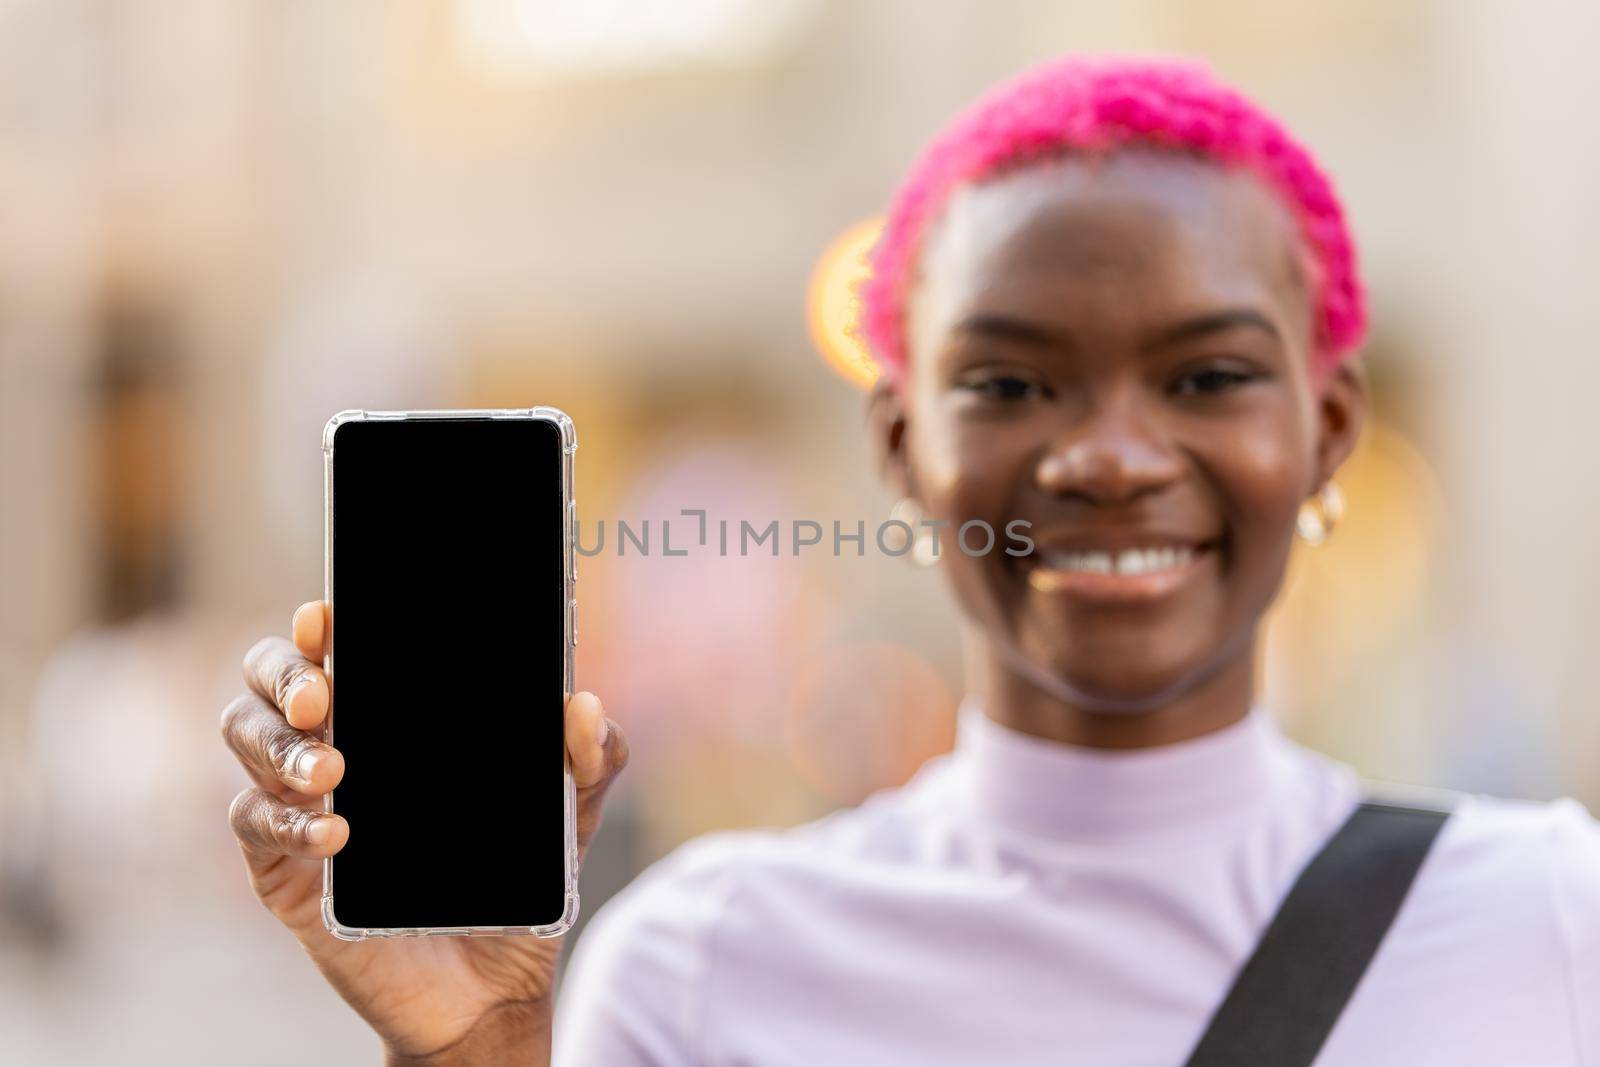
(1115, 679)
(1121, 694)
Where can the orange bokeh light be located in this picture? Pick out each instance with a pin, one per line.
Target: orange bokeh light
(833, 306)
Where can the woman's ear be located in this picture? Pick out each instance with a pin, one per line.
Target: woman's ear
(887, 427)
(1341, 413)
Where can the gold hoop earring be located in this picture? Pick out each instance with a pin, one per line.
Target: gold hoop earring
(1319, 515)
(923, 544)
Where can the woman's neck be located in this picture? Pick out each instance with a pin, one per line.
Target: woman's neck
(1045, 707)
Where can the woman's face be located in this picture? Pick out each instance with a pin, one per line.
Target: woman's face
(1118, 353)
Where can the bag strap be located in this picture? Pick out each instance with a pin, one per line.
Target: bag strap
(1290, 992)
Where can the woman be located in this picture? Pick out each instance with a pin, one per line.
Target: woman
(1116, 300)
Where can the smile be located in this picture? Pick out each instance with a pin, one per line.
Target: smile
(1133, 573)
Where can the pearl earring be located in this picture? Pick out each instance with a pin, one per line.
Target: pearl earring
(924, 545)
(1319, 515)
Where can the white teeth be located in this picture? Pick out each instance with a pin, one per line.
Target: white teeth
(1128, 561)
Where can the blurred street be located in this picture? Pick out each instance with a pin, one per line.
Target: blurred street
(221, 222)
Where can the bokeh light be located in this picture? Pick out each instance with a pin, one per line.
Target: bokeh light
(510, 39)
(1359, 598)
(834, 306)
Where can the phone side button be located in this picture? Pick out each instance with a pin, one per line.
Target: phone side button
(572, 621)
(572, 535)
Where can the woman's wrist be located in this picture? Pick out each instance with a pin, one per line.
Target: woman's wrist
(514, 1034)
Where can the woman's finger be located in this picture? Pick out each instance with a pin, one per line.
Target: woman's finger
(586, 731)
(310, 630)
(267, 826)
(276, 670)
(598, 750)
(276, 754)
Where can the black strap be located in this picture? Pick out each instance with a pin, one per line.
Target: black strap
(1290, 992)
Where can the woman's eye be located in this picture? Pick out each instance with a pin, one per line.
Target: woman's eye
(1002, 387)
(1210, 380)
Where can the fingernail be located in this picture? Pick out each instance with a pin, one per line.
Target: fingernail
(305, 765)
(295, 689)
(605, 730)
(321, 830)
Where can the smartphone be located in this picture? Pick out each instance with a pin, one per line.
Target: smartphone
(450, 571)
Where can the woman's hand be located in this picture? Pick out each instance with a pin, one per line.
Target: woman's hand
(432, 1000)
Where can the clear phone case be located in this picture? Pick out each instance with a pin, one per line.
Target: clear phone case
(569, 446)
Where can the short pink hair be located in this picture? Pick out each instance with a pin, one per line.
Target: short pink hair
(1097, 105)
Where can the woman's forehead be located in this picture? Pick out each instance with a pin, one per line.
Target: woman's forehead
(1151, 227)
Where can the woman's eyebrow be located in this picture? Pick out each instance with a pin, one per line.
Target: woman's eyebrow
(1212, 322)
(1008, 328)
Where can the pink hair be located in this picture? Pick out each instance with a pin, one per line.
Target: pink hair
(1098, 105)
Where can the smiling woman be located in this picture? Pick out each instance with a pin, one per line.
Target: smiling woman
(1116, 301)
(1118, 350)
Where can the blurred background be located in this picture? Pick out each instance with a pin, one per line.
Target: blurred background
(220, 222)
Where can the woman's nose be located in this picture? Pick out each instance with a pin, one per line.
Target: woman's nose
(1116, 452)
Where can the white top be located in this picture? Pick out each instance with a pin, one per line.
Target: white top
(1026, 902)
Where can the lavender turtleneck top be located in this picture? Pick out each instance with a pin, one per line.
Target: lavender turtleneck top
(1021, 901)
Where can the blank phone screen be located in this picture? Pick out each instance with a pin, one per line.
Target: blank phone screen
(448, 672)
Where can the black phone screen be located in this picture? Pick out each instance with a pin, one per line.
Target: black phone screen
(448, 672)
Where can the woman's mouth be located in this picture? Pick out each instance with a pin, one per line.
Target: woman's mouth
(1121, 574)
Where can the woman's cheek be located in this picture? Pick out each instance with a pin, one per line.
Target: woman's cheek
(980, 478)
(1266, 482)
(959, 479)
(949, 464)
